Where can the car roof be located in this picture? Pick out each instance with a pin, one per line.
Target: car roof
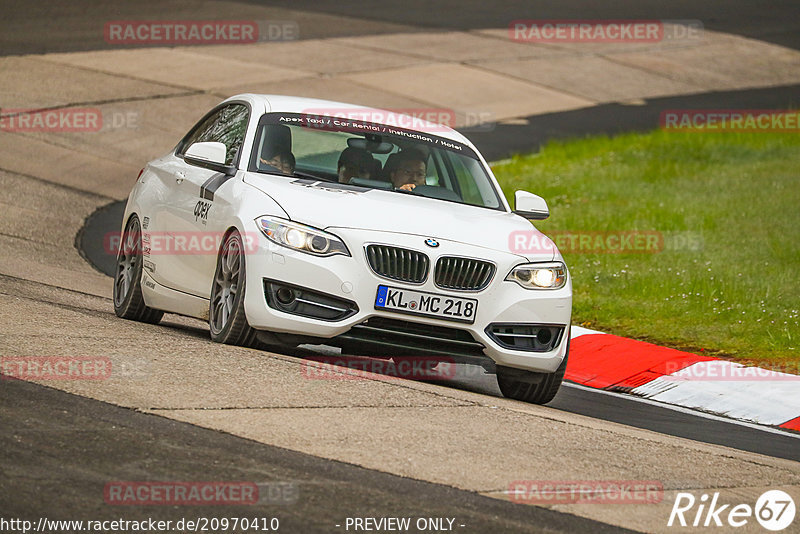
(295, 104)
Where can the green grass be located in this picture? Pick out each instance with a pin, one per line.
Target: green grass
(736, 292)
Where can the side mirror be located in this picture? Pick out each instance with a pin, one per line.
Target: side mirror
(209, 154)
(530, 206)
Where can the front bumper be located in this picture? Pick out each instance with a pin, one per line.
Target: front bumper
(350, 279)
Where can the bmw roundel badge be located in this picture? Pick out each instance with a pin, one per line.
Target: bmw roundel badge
(431, 242)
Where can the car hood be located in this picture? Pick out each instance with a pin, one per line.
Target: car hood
(327, 205)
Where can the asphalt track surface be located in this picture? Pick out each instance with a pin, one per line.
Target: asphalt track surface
(64, 449)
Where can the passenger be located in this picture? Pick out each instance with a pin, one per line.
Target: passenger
(283, 161)
(355, 163)
(409, 169)
(276, 150)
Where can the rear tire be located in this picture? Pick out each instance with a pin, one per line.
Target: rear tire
(527, 386)
(128, 300)
(226, 316)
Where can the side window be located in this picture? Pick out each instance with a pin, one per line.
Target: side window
(466, 180)
(227, 125)
(437, 171)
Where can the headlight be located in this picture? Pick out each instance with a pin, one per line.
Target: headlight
(539, 275)
(301, 237)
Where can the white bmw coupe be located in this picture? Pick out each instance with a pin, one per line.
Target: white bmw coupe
(284, 220)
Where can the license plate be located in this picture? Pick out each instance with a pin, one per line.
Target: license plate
(426, 304)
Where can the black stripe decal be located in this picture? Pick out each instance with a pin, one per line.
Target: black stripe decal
(211, 185)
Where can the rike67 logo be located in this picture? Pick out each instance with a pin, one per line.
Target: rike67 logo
(774, 510)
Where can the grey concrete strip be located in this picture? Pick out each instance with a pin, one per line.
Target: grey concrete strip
(61, 165)
(453, 46)
(337, 88)
(465, 88)
(121, 140)
(51, 265)
(192, 373)
(28, 214)
(180, 67)
(35, 81)
(591, 77)
(734, 63)
(713, 62)
(320, 56)
(37, 239)
(106, 162)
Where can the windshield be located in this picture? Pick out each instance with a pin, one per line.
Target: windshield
(370, 155)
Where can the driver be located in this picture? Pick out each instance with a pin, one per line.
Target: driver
(277, 148)
(409, 169)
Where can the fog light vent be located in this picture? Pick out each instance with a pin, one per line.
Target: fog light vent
(302, 301)
(529, 337)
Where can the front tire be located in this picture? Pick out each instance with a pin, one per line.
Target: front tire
(128, 300)
(527, 386)
(226, 317)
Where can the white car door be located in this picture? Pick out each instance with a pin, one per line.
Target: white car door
(187, 222)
